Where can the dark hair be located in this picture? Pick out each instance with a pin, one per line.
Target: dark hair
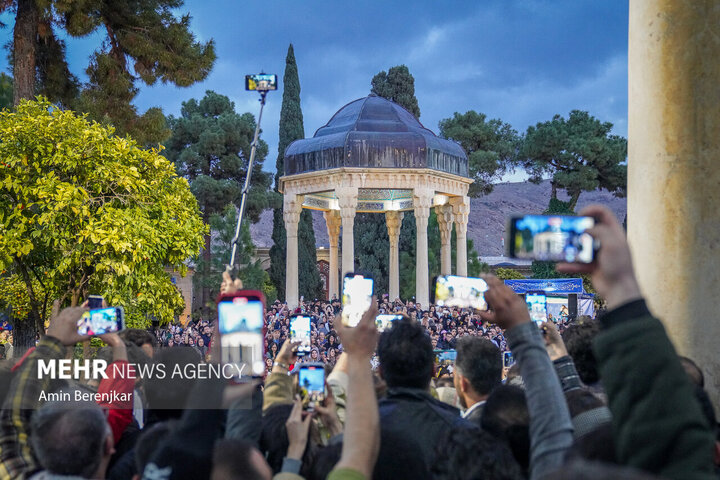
(68, 439)
(599, 445)
(406, 355)
(137, 336)
(506, 417)
(148, 441)
(582, 400)
(473, 453)
(231, 458)
(693, 371)
(480, 361)
(578, 339)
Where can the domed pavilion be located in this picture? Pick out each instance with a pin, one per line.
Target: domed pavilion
(374, 156)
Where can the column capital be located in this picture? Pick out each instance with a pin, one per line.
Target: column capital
(292, 208)
(393, 220)
(333, 222)
(461, 212)
(445, 219)
(347, 201)
(422, 201)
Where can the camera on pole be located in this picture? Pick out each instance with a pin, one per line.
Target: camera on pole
(261, 83)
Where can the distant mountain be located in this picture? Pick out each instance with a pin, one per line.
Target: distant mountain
(487, 214)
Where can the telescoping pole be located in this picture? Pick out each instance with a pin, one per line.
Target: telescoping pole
(246, 187)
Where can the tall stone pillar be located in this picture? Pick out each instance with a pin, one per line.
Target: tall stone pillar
(394, 222)
(292, 207)
(333, 222)
(347, 200)
(461, 214)
(673, 174)
(445, 222)
(422, 201)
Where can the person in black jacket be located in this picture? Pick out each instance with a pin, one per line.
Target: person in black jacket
(408, 410)
(478, 370)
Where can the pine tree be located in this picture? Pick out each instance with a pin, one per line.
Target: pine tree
(210, 145)
(144, 42)
(397, 85)
(291, 129)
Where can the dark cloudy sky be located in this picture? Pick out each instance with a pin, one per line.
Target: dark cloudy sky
(521, 61)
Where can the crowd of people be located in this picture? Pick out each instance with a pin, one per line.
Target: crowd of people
(443, 325)
(603, 399)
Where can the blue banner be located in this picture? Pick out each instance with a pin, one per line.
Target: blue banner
(562, 286)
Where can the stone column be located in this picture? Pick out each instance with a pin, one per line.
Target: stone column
(461, 213)
(292, 207)
(673, 174)
(445, 222)
(394, 222)
(333, 222)
(422, 201)
(347, 200)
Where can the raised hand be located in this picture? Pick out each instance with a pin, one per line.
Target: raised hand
(612, 272)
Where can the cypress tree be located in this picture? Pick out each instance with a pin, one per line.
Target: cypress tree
(291, 129)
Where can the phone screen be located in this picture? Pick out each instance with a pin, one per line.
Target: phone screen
(357, 294)
(311, 380)
(463, 292)
(447, 356)
(300, 329)
(240, 322)
(537, 306)
(508, 359)
(261, 82)
(100, 321)
(555, 238)
(385, 321)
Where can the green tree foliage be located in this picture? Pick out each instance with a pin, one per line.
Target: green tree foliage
(83, 211)
(6, 91)
(310, 285)
(372, 248)
(210, 146)
(291, 129)
(491, 146)
(508, 274)
(579, 154)
(143, 41)
(397, 85)
(222, 228)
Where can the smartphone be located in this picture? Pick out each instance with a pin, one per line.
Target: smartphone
(95, 301)
(508, 359)
(357, 295)
(463, 292)
(261, 82)
(311, 380)
(537, 306)
(447, 356)
(385, 321)
(101, 320)
(556, 238)
(300, 329)
(241, 326)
